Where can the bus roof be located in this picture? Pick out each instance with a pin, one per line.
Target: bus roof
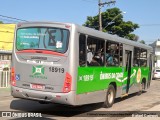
(103, 35)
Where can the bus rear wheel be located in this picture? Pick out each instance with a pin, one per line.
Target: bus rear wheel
(143, 86)
(110, 96)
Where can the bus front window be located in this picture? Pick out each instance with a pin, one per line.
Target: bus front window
(54, 39)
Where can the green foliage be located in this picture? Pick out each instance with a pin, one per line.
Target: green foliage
(1, 22)
(142, 41)
(112, 22)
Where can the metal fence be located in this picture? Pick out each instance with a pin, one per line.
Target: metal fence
(4, 79)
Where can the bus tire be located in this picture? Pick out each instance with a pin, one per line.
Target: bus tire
(143, 86)
(43, 102)
(110, 96)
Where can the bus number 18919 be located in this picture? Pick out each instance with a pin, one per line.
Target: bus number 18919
(56, 69)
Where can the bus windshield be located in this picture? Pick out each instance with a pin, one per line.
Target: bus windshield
(42, 38)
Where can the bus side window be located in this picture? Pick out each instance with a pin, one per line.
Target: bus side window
(89, 55)
(136, 59)
(143, 58)
(113, 54)
(82, 50)
(96, 48)
(140, 57)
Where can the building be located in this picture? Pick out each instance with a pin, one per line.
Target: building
(6, 40)
(6, 36)
(6, 44)
(156, 51)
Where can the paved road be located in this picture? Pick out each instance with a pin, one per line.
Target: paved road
(134, 102)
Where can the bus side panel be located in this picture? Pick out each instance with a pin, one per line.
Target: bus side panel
(92, 82)
(137, 74)
(145, 75)
(92, 79)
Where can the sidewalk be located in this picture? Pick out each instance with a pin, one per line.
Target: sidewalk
(143, 116)
(146, 116)
(5, 92)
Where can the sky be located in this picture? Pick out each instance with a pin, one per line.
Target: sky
(146, 13)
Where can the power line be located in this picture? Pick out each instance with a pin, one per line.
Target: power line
(8, 20)
(13, 18)
(6, 27)
(90, 1)
(149, 25)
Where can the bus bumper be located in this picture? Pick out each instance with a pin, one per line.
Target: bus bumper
(61, 98)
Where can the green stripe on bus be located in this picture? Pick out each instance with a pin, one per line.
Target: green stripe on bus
(91, 79)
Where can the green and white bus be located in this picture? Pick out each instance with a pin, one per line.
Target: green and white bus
(74, 65)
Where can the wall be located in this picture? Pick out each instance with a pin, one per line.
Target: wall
(6, 36)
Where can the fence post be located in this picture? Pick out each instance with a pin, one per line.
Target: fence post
(0, 78)
(4, 79)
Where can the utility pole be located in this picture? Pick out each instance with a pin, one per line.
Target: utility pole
(100, 18)
(100, 4)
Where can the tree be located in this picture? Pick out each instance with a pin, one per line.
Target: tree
(1, 22)
(112, 22)
(142, 41)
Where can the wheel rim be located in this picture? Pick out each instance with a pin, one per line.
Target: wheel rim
(110, 96)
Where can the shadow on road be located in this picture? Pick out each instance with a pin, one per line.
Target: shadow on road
(52, 109)
(57, 109)
(129, 96)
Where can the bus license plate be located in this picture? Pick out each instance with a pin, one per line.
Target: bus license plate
(37, 86)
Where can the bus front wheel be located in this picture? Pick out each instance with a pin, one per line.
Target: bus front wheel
(110, 96)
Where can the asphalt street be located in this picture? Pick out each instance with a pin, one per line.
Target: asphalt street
(147, 101)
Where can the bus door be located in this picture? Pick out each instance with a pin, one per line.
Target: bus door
(127, 63)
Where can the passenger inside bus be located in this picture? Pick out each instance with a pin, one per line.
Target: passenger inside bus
(99, 57)
(135, 63)
(143, 63)
(109, 59)
(94, 62)
(89, 56)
